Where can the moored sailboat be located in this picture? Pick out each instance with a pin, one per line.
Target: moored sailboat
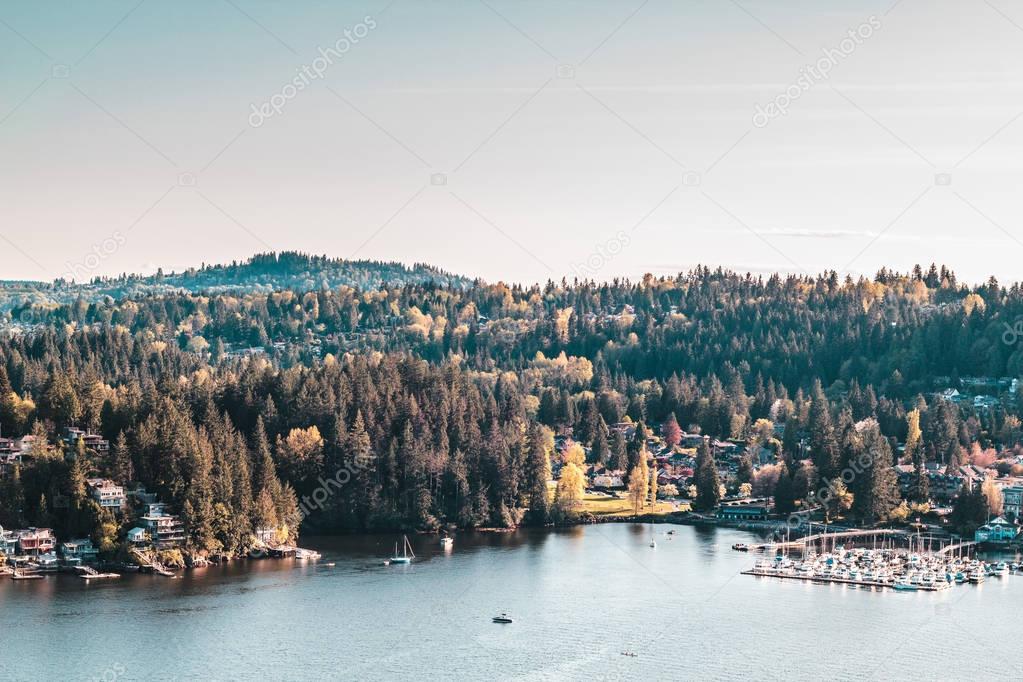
(406, 556)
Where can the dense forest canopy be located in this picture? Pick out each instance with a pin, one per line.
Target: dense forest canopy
(438, 398)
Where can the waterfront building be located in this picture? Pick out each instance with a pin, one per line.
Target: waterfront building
(996, 531)
(744, 512)
(107, 494)
(138, 537)
(8, 542)
(78, 552)
(36, 541)
(166, 530)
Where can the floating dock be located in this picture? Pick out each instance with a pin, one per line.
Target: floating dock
(847, 581)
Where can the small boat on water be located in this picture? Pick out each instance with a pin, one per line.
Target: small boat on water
(26, 576)
(904, 585)
(406, 556)
(740, 547)
(503, 618)
(306, 554)
(447, 543)
(977, 576)
(1001, 569)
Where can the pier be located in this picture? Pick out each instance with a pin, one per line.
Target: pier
(844, 581)
(151, 564)
(825, 536)
(957, 546)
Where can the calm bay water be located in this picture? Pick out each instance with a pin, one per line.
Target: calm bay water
(580, 597)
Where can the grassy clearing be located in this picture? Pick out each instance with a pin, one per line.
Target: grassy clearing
(598, 505)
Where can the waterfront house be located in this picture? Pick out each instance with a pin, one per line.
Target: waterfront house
(138, 537)
(78, 552)
(166, 530)
(8, 542)
(996, 531)
(268, 536)
(36, 541)
(107, 494)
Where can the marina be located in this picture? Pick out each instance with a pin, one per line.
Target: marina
(918, 567)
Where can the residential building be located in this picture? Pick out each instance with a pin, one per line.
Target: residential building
(36, 541)
(941, 486)
(139, 537)
(1012, 501)
(92, 441)
(996, 531)
(610, 479)
(107, 494)
(166, 530)
(8, 542)
(8, 446)
(267, 536)
(78, 552)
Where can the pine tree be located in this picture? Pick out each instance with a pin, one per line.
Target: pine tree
(876, 487)
(601, 450)
(919, 488)
(823, 442)
(784, 496)
(708, 485)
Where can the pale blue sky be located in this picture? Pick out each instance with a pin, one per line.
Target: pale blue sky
(556, 125)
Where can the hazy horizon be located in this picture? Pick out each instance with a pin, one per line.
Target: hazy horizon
(513, 141)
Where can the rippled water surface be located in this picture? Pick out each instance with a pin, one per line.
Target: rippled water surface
(580, 598)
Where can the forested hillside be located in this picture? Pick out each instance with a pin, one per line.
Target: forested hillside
(438, 402)
(262, 273)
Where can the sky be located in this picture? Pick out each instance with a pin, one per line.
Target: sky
(518, 141)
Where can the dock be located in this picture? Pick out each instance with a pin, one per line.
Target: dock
(88, 573)
(843, 581)
(152, 565)
(809, 540)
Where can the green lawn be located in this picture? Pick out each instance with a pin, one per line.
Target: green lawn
(599, 505)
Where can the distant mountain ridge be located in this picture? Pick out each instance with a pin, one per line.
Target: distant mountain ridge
(263, 272)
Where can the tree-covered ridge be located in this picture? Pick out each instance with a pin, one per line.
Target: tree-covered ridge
(419, 405)
(261, 273)
(895, 332)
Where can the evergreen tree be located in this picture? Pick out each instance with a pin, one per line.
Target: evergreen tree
(708, 485)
